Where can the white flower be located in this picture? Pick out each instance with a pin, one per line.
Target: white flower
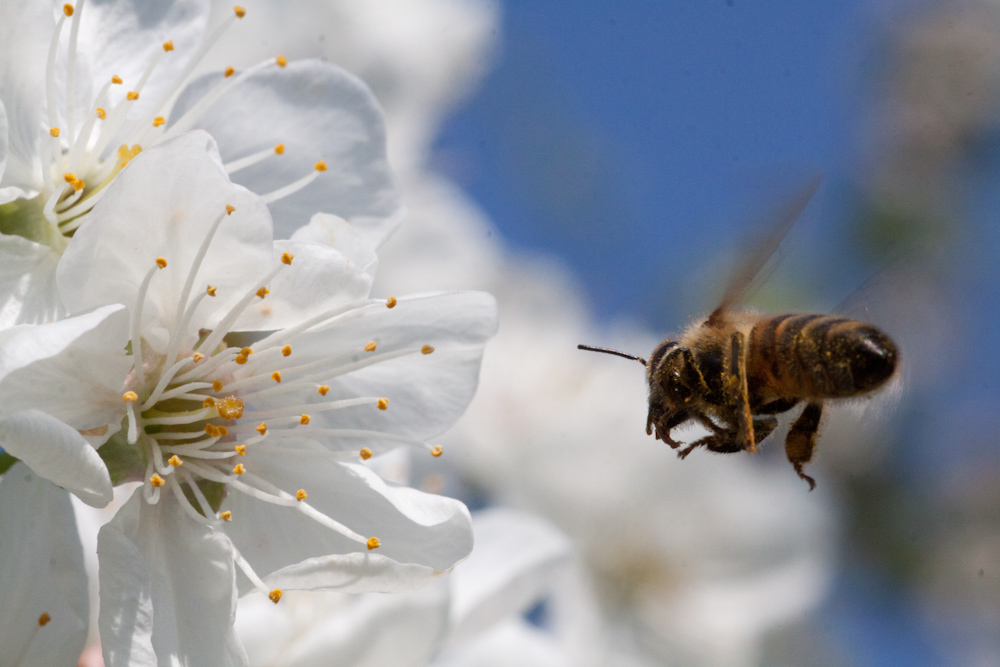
(246, 417)
(83, 89)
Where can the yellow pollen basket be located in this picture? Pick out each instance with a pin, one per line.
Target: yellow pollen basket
(230, 407)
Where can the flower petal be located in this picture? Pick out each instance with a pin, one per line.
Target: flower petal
(41, 571)
(57, 453)
(319, 112)
(167, 589)
(338, 233)
(28, 293)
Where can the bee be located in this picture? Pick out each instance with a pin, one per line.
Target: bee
(733, 372)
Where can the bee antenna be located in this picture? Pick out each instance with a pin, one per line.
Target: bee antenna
(614, 352)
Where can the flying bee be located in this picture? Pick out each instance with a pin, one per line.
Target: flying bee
(735, 371)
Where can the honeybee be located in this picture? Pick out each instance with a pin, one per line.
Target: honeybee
(734, 371)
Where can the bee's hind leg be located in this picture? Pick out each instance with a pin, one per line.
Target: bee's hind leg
(801, 441)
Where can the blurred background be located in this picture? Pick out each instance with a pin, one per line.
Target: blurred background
(599, 167)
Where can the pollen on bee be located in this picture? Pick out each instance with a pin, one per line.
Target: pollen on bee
(217, 385)
(175, 461)
(287, 257)
(370, 346)
(156, 480)
(373, 543)
(276, 376)
(275, 595)
(229, 71)
(286, 350)
(230, 407)
(197, 356)
(241, 450)
(365, 453)
(262, 429)
(280, 149)
(130, 397)
(158, 121)
(281, 61)
(240, 12)
(322, 389)
(68, 11)
(383, 404)
(132, 95)
(390, 302)
(210, 290)
(239, 469)
(229, 209)
(437, 450)
(262, 292)
(320, 166)
(426, 349)
(115, 79)
(101, 113)
(54, 131)
(161, 262)
(226, 516)
(304, 419)
(301, 495)
(168, 45)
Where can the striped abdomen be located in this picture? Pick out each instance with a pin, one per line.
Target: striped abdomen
(818, 356)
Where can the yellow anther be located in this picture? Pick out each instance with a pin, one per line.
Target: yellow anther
(287, 257)
(175, 461)
(79, 185)
(210, 290)
(223, 431)
(426, 349)
(130, 397)
(246, 351)
(365, 453)
(262, 429)
(240, 12)
(54, 131)
(158, 121)
(101, 113)
(276, 376)
(262, 292)
(69, 177)
(230, 407)
(217, 385)
(436, 450)
(390, 302)
(301, 495)
(275, 595)
(373, 543)
(132, 95)
(320, 166)
(211, 430)
(383, 404)
(208, 402)
(156, 480)
(44, 619)
(229, 72)
(280, 149)
(286, 350)
(161, 262)
(226, 516)
(370, 346)
(240, 359)
(197, 356)
(239, 469)
(241, 450)
(322, 389)
(304, 419)
(229, 209)
(168, 45)
(281, 61)
(68, 11)
(115, 79)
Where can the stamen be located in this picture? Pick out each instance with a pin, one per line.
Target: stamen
(301, 495)
(304, 419)
(101, 113)
(226, 516)
(54, 131)
(175, 461)
(241, 450)
(391, 302)
(74, 32)
(276, 376)
(262, 429)
(281, 61)
(323, 389)
(158, 121)
(251, 575)
(280, 149)
(156, 481)
(275, 595)
(294, 186)
(239, 469)
(132, 95)
(426, 349)
(383, 404)
(365, 453)
(229, 72)
(373, 543)
(262, 292)
(44, 619)
(370, 347)
(437, 450)
(136, 322)
(286, 350)
(243, 163)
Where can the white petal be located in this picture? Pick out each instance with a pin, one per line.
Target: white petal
(511, 644)
(167, 589)
(28, 293)
(41, 571)
(422, 535)
(338, 233)
(513, 565)
(57, 453)
(73, 369)
(162, 205)
(3, 141)
(320, 112)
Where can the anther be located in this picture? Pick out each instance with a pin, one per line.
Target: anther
(130, 397)
(175, 461)
(322, 389)
(168, 45)
(426, 349)
(210, 290)
(240, 359)
(262, 292)
(301, 495)
(286, 350)
(436, 450)
(161, 262)
(156, 480)
(240, 12)
(68, 11)
(276, 376)
(287, 257)
(241, 450)
(197, 356)
(373, 543)
(239, 469)
(281, 61)
(211, 430)
(262, 429)
(54, 131)
(304, 419)
(230, 407)
(69, 177)
(209, 401)
(365, 453)
(246, 351)
(229, 209)
(280, 149)
(229, 72)
(222, 431)
(275, 595)
(44, 619)
(370, 346)
(217, 385)
(226, 516)
(158, 121)
(383, 404)
(115, 79)
(132, 95)
(390, 302)
(101, 113)
(320, 166)
(79, 185)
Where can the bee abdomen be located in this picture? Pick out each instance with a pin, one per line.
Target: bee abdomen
(820, 356)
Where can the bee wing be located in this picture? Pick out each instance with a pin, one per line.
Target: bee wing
(749, 274)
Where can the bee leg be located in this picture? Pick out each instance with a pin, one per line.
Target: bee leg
(762, 427)
(739, 394)
(801, 441)
(776, 407)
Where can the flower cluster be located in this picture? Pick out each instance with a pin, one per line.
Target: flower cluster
(185, 268)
